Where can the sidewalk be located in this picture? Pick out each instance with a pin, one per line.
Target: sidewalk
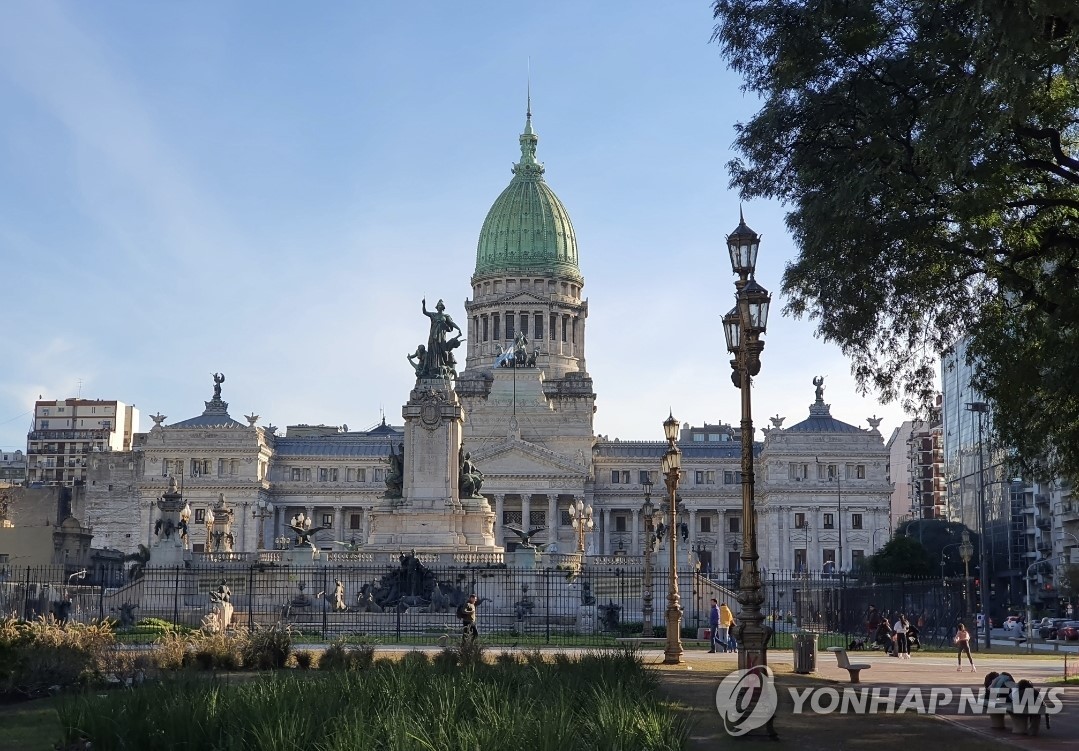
(694, 685)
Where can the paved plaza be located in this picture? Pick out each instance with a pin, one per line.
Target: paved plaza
(695, 684)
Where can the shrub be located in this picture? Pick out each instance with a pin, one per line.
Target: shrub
(305, 659)
(171, 651)
(335, 656)
(40, 655)
(219, 650)
(361, 657)
(268, 648)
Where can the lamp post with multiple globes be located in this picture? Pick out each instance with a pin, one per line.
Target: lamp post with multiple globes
(263, 510)
(672, 467)
(648, 511)
(581, 518)
(743, 327)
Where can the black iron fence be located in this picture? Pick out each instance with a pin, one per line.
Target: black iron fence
(417, 603)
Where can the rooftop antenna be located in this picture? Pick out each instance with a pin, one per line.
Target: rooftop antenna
(79, 396)
(528, 110)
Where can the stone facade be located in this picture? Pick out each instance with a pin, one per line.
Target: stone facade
(529, 429)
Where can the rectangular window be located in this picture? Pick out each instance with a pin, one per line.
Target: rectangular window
(44, 424)
(494, 324)
(859, 472)
(734, 524)
(625, 477)
(565, 325)
(323, 474)
(524, 324)
(486, 331)
(554, 321)
(45, 411)
(728, 477)
(297, 474)
(855, 521)
(734, 563)
(565, 520)
(509, 325)
(616, 476)
(827, 471)
(644, 477)
(361, 474)
(800, 520)
(537, 518)
(857, 559)
(828, 561)
(620, 524)
(354, 521)
(829, 521)
(705, 477)
(799, 471)
(706, 524)
(511, 517)
(350, 474)
(799, 559)
(698, 437)
(377, 475)
(537, 332)
(200, 516)
(327, 521)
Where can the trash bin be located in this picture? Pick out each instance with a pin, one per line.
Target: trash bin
(704, 634)
(805, 653)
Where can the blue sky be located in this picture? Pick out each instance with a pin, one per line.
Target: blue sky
(269, 189)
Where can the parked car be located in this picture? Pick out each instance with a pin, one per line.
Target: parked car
(1013, 622)
(1049, 626)
(1068, 631)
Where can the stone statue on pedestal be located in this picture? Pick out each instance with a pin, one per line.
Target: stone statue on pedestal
(439, 361)
(470, 479)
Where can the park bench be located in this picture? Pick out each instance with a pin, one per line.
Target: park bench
(843, 661)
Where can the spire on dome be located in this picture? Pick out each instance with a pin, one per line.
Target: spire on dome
(528, 166)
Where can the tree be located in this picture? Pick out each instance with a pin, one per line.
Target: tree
(941, 540)
(926, 153)
(901, 555)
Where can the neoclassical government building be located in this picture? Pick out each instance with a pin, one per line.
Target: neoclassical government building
(823, 494)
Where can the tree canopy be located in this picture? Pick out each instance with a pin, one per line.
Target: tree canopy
(901, 555)
(926, 152)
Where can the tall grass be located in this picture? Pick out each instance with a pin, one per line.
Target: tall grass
(598, 702)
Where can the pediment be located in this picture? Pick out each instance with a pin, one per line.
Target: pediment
(526, 297)
(517, 457)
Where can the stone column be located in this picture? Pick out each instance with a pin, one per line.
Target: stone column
(339, 523)
(719, 557)
(526, 510)
(552, 518)
(635, 542)
(692, 529)
(605, 537)
(500, 506)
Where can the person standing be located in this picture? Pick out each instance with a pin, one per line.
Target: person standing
(713, 622)
(902, 646)
(962, 643)
(726, 621)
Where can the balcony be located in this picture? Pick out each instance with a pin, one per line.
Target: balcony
(1044, 523)
(1068, 510)
(68, 435)
(1045, 547)
(1041, 499)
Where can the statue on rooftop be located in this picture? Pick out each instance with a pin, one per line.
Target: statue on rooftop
(439, 362)
(219, 378)
(818, 381)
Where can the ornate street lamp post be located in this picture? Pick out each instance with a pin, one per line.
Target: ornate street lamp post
(648, 510)
(581, 518)
(743, 327)
(672, 467)
(261, 512)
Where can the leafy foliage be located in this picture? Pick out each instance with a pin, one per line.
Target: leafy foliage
(941, 539)
(926, 151)
(43, 655)
(901, 555)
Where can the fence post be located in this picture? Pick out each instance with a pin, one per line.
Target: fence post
(101, 602)
(251, 596)
(547, 602)
(176, 599)
(26, 596)
(324, 615)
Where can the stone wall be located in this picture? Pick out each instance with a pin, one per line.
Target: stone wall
(113, 506)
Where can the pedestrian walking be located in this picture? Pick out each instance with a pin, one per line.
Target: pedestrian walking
(713, 622)
(902, 645)
(467, 613)
(962, 643)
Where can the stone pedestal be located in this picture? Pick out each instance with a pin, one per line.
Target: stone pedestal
(431, 517)
(526, 558)
(302, 556)
(167, 549)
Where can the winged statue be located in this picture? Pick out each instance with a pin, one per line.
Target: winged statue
(526, 537)
(301, 525)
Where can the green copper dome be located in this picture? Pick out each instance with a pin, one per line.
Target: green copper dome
(527, 230)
